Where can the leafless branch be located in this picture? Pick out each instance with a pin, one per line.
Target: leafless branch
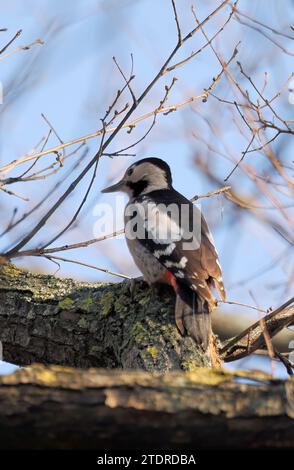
(105, 144)
(267, 36)
(17, 34)
(128, 81)
(212, 193)
(22, 48)
(177, 22)
(98, 268)
(253, 338)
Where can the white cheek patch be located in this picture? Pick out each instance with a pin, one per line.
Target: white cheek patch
(156, 178)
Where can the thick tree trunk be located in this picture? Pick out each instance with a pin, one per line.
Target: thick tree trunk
(61, 321)
(65, 408)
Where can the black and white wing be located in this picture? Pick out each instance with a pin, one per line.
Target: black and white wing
(181, 241)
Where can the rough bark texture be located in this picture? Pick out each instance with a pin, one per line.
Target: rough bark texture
(49, 320)
(61, 321)
(59, 407)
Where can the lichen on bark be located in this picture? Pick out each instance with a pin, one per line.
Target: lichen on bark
(51, 320)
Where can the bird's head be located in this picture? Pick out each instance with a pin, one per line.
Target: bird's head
(142, 177)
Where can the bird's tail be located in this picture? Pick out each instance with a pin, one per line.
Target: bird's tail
(193, 317)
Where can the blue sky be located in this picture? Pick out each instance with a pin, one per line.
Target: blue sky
(72, 80)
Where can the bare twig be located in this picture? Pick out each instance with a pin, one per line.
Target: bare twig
(22, 48)
(49, 194)
(130, 124)
(212, 193)
(285, 361)
(252, 338)
(103, 147)
(17, 34)
(232, 302)
(12, 193)
(47, 251)
(198, 51)
(98, 268)
(270, 28)
(128, 81)
(241, 159)
(75, 216)
(177, 22)
(267, 36)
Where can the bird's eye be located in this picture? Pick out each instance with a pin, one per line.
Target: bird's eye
(130, 171)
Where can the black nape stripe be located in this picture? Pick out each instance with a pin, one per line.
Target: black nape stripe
(137, 187)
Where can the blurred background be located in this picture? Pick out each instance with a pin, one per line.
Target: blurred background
(72, 79)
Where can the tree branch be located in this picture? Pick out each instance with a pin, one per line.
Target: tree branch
(253, 338)
(61, 321)
(98, 409)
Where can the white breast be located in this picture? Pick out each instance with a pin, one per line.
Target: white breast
(151, 269)
(149, 266)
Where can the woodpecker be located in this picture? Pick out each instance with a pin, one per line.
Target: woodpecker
(171, 243)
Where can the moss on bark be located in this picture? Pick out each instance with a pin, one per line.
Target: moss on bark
(62, 321)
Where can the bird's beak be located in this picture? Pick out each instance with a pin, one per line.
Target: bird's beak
(115, 187)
